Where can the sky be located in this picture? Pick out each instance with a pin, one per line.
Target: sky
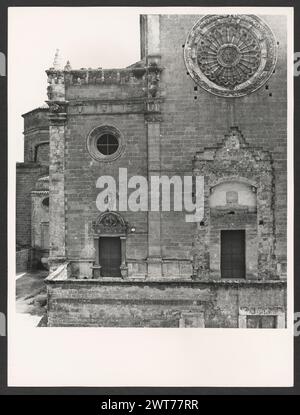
(87, 37)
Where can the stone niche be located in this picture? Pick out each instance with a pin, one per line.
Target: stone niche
(233, 195)
(238, 195)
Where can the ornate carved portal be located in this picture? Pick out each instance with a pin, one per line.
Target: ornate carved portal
(230, 55)
(233, 166)
(110, 225)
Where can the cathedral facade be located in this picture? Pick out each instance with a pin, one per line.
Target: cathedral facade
(208, 99)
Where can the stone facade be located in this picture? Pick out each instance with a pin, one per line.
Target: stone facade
(32, 189)
(170, 114)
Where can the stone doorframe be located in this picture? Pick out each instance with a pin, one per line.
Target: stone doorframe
(235, 160)
(110, 224)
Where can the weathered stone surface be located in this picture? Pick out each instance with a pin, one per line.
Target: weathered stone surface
(158, 304)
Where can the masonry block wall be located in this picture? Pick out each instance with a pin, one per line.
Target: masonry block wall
(194, 118)
(40, 219)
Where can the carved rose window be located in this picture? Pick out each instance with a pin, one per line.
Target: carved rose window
(107, 144)
(230, 55)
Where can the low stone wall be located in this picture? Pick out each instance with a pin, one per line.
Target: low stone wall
(73, 302)
(22, 260)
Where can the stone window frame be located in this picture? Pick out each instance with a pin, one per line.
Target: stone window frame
(93, 136)
(277, 312)
(231, 159)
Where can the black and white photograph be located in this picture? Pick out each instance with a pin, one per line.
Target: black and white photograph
(150, 156)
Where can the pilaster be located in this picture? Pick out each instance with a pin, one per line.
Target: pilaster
(153, 121)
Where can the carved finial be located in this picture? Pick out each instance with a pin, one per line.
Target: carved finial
(56, 62)
(68, 66)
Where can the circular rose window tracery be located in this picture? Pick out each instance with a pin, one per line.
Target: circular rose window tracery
(230, 55)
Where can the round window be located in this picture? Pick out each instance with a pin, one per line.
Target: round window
(105, 143)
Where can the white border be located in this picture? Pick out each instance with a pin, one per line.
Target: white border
(152, 357)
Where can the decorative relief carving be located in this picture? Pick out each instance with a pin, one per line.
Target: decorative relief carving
(97, 132)
(233, 140)
(230, 55)
(246, 169)
(232, 197)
